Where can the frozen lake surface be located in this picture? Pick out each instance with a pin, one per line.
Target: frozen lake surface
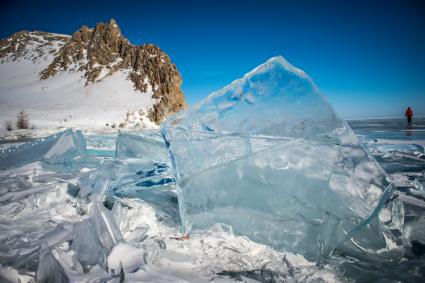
(113, 215)
(398, 147)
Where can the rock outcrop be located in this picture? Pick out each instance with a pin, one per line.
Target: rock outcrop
(100, 52)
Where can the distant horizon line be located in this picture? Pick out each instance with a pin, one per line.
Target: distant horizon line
(379, 118)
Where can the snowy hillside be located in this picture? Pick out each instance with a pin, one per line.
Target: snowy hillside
(56, 88)
(64, 100)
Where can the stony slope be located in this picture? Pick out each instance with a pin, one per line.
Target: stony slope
(91, 61)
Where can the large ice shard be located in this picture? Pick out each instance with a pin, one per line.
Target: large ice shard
(69, 145)
(269, 156)
(49, 269)
(95, 237)
(57, 148)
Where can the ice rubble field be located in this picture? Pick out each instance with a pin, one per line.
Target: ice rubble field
(267, 181)
(102, 212)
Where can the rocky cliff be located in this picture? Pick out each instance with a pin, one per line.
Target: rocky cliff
(98, 53)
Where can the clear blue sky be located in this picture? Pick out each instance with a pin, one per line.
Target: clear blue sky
(368, 57)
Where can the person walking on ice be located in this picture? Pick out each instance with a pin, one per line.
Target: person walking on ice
(409, 115)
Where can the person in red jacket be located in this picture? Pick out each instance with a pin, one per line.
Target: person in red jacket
(409, 115)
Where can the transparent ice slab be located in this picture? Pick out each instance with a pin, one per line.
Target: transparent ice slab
(146, 145)
(269, 156)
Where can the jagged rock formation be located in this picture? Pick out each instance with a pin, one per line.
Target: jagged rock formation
(100, 52)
